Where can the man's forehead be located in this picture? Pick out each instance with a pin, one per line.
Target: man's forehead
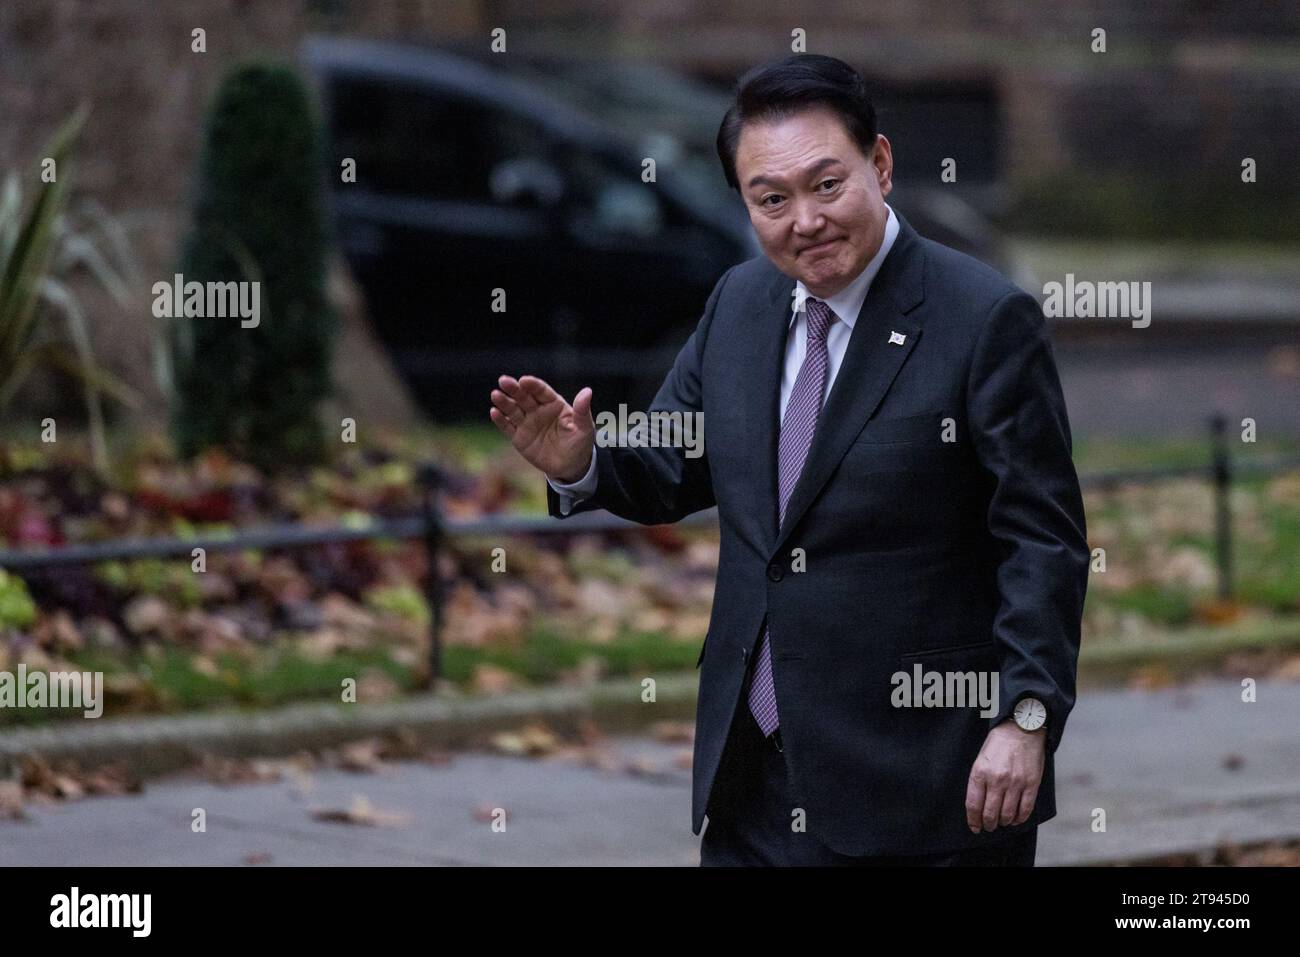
(827, 143)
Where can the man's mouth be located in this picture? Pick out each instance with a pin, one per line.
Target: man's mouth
(820, 246)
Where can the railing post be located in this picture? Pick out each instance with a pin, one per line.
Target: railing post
(1221, 475)
(430, 478)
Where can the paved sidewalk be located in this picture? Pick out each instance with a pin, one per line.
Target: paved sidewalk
(1175, 770)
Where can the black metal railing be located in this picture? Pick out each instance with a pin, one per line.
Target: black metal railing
(434, 528)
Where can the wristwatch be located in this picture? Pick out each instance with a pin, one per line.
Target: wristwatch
(1030, 714)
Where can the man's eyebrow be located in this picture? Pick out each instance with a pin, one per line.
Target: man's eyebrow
(812, 170)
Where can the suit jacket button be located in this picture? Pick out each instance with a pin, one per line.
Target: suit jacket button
(744, 654)
(775, 572)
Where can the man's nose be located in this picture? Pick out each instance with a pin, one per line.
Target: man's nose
(808, 219)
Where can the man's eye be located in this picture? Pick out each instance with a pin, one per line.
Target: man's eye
(825, 181)
(764, 200)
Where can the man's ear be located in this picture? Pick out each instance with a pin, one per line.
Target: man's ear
(882, 161)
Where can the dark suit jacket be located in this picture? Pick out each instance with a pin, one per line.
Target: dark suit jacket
(962, 555)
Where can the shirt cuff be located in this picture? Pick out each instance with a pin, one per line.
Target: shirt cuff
(570, 492)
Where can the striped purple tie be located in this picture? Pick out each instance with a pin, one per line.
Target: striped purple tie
(797, 428)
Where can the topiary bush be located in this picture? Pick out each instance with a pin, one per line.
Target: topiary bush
(258, 216)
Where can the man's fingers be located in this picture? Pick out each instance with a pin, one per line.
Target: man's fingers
(582, 404)
(974, 801)
(1027, 799)
(502, 423)
(992, 805)
(1010, 805)
(508, 406)
(535, 390)
(509, 385)
(518, 392)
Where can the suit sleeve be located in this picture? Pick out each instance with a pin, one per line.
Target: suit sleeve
(1021, 437)
(657, 485)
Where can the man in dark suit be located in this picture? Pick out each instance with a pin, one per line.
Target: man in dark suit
(890, 456)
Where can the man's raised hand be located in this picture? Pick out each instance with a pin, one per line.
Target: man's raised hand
(553, 436)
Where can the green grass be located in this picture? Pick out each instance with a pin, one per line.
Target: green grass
(279, 674)
(1268, 571)
(1053, 256)
(547, 652)
(1108, 454)
(1172, 607)
(1265, 532)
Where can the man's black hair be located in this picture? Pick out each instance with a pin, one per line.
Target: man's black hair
(777, 90)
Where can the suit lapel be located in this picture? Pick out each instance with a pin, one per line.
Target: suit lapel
(870, 364)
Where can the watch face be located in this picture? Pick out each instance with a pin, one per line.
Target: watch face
(1030, 714)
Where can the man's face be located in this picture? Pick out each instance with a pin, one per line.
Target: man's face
(817, 204)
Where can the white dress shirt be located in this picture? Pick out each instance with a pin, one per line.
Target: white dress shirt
(845, 304)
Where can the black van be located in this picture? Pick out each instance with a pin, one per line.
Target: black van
(502, 180)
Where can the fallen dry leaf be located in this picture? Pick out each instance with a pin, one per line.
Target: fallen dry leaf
(533, 740)
(375, 685)
(589, 732)
(1151, 676)
(588, 672)
(361, 757)
(437, 758)
(205, 666)
(11, 800)
(360, 812)
(401, 745)
(643, 766)
(68, 787)
(491, 680)
(1288, 670)
(223, 770)
(68, 782)
(601, 758)
(1214, 612)
(673, 732)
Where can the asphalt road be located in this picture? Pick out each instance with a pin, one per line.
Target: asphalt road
(1174, 770)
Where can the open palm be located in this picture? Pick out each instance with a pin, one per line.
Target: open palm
(550, 434)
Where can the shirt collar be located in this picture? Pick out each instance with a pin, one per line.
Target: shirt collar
(847, 303)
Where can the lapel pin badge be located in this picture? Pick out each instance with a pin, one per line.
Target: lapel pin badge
(896, 338)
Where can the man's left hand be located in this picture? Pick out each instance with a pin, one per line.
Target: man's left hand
(1004, 781)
